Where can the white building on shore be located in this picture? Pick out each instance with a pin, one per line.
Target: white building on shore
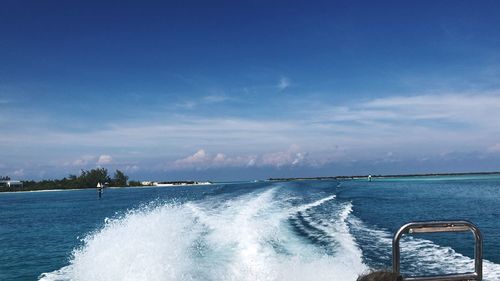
(11, 184)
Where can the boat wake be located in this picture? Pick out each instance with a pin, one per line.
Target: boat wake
(257, 236)
(268, 234)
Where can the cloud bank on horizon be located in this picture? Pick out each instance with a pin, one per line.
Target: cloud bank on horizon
(327, 89)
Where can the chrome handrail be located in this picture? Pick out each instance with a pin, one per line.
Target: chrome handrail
(440, 226)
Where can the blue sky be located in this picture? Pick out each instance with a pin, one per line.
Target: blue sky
(228, 90)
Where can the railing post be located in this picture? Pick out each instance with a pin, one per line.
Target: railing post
(434, 227)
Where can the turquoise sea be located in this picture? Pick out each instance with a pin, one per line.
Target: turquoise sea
(299, 230)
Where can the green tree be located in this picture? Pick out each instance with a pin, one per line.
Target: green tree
(134, 183)
(119, 179)
(93, 177)
(86, 179)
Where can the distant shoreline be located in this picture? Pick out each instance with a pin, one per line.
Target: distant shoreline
(189, 183)
(93, 188)
(43, 190)
(385, 176)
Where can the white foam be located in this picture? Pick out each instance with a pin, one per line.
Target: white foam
(144, 245)
(337, 229)
(316, 203)
(246, 238)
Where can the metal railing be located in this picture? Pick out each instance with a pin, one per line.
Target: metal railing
(434, 227)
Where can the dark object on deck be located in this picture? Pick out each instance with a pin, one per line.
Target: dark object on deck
(380, 276)
(434, 227)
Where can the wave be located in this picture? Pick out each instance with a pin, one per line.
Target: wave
(314, 204)
(244, 238)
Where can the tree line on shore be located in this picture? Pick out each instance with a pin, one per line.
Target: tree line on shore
(86, 179)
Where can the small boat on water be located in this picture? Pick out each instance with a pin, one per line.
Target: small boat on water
(100, 188)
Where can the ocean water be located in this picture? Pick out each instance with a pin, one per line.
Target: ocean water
(300, 230)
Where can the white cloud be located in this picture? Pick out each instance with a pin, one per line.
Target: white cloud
(420, 126)
(283, 158)
(457, 108)
(198, 159)
(251, 162)
(215, 98)
(84, 160)
(206, 100)
(187, 104)
(104, 159)
(464, 121)
(220, 158)
(132, 168)
(494, 148)
(467, 108)
(299, 157)
(283, 83)
(203, 160)
(19, 173)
